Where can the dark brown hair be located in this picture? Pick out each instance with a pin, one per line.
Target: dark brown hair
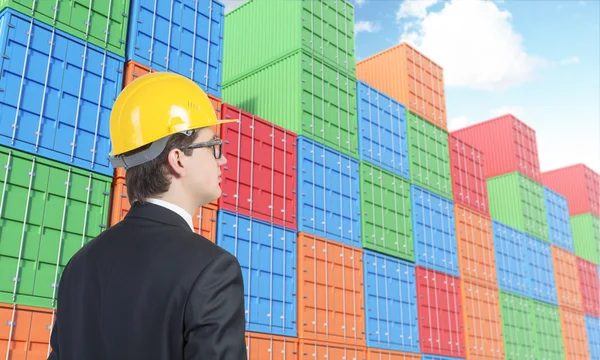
(152, 178)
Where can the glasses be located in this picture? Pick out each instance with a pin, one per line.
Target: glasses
(216, 144)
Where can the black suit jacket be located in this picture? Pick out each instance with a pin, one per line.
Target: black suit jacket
(150, 288)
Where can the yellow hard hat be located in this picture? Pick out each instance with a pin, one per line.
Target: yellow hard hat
(152, 108)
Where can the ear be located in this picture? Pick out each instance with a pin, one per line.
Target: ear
(177, 162)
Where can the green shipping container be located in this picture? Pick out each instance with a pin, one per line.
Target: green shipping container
(261, 31)
(586, 236)
(104, 24)
(386, 212)
(301, 94)
(48, 212)
(547, 331)
(518, 201)
(517, 327)
(429, 156)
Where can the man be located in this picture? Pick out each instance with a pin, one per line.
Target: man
(149, 287)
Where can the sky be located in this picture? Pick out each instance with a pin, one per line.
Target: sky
(536, 59)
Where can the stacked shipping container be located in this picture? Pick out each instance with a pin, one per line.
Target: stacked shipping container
(363, 228)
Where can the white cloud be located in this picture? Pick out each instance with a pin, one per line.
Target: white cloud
(474, 42)
(232, 4)
(458, 122)
(571, 60)
(516, 111)
(414, 8)
(366, 26)
(360, 3)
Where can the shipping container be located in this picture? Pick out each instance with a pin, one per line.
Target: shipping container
(592, 326)
(484, 336)
(468, 175)
(103, 24)
(518, 202)
(589, 286)
(574, 334)
(61, 93)
(48, 211)
(566, 274)
(559, 223)
(512, 261)
(382, 138)
(301, 94)
(517, 327)
(267, 256)
(25, 332)
(328, 193)
(542, 285)
(547, 331)
(475, 245)
(322, 350)
(429, 156)
(508, 144)
(386, 212)
(381, 354)
(409, 77)
(434, 357)
(391, 303)
(579, 184)
(263, 346)
(259, 179)
(434, 231)
(185, 37)
(261, 31)
(331, 305)
(441, 330)
(586, 236)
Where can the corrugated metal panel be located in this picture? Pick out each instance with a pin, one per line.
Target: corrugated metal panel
(441, 329)
(429, 156)
(386, 212)
(512, 263)
(468, 175)
(579, 184)
(509, 145)
(383, 136)
(559, 223)
(475, 245)
(185, 37)
(380, 354)
(58, 93)
(391, 303)
(259, 179)
(434, 357)
(519, 202)
(567, 280)
(483, 323)
(267, 256)
(590, 287)
(517, 324)
(541, 272)
(574, 334)
(434, 231)
(25, 332)
(586, 236)
(262, 346)
(300, 93)
(321, 350)
(547, 331)
(592, 325)
(329, 193)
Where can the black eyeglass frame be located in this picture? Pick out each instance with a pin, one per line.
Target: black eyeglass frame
(212, 143)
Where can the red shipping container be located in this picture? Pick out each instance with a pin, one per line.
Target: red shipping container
(590, 287)
(574, 334)
(25, 332)
(469, 184)
(259, 179)
(440, 313)
(579, 184)
(508, 145)
(265, 346)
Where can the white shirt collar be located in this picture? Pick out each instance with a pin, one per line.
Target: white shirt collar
(184, 214)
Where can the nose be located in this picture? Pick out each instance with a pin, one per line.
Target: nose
(222, 161)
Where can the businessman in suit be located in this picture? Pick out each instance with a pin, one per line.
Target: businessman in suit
(150, 287)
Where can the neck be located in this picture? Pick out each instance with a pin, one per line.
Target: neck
(180, 201)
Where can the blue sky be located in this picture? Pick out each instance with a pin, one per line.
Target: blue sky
(539, 60)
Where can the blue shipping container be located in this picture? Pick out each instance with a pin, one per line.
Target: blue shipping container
(56, 93)
(434, 231)
(267, 255)
(592, 326)
(559, 221)
(510, 249)
(382, 137)
(542, 285)
(329, 193)
(436, 357)
(391, 303)
(185, 37)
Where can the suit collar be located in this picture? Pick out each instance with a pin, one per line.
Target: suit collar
(177, 209)
(157, 213)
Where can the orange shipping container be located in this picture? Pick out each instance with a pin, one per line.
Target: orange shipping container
(321, 350)
(330, 279)
(482, 320)
(409, 77)
(379, 354)
(25, 332)
(572, 324)
(476, 259)
(566, 275)
(264, 346)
